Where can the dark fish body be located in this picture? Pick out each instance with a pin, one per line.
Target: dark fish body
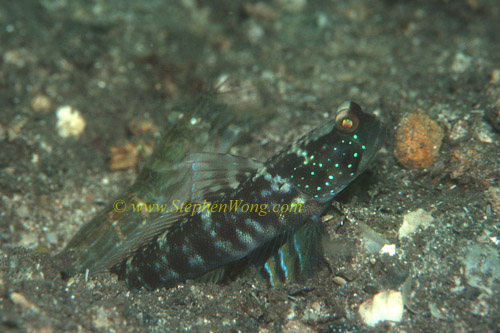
(291, 190)
(206, 241)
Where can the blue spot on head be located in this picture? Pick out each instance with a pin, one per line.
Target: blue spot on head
(312, 173)
(318, 188)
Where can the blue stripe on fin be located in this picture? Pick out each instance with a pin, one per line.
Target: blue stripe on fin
(297, 258)
(283, 264)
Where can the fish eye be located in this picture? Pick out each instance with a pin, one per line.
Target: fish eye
(346, 121)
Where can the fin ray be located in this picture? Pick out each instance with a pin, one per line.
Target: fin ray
(298, 256)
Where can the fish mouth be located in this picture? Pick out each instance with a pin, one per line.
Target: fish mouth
(379, 133)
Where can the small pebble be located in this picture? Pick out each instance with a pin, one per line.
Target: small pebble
(494, 199)
(292, 6)
(15, 127)
(259, 10)
(413, 220)
(139, 127)
(459, 131)
(461, 63)
(19, 299)
(495, 76)
(339, 280)
(40, 103)
(418, 139)
(123, 157)
(255, 32)
(384, 306)
(390, 249)
(69, 122)
(483, 134)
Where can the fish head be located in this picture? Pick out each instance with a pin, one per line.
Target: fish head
(324, 161)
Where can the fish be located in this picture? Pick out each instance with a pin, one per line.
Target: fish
(205, 124)
(227, 213)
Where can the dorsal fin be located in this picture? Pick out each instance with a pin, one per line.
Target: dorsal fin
(207, 176)
(213, 174)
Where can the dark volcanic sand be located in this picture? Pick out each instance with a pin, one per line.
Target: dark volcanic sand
(290, 65)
